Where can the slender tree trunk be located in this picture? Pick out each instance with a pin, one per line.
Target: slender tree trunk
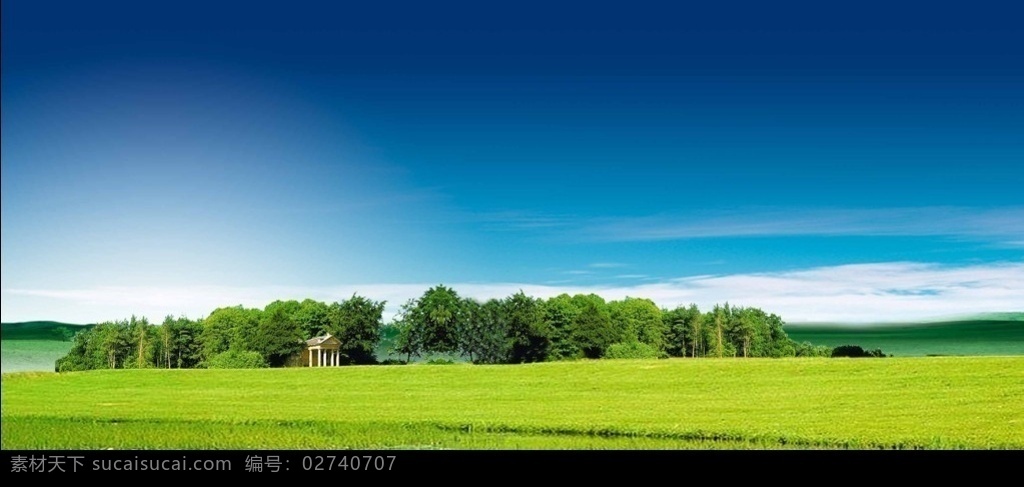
(719, 346)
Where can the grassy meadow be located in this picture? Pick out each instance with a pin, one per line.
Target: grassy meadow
(928, 402)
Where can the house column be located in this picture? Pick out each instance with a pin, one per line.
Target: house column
(311, 357)
(337, 355)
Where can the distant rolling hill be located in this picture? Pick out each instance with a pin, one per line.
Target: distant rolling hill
(40, 330)
(34, 345)
(990, 334)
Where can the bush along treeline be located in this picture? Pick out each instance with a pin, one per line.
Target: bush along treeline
(516, 329)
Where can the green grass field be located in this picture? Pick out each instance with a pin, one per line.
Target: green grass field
(936, 402)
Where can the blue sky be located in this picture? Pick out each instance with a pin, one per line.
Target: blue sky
(827, 163)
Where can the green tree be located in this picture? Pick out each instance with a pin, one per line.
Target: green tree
(179, 343)
(408, 341)
(560, 313)
(592, 329)
(231, 327)
(638, 320)
(781, 344)
(683, 331)
(142, 341)
(166, 337)
(112, 345)
(528, 333)
(78, 357)
(356, 323)
(675, 333)
(720, 319)
(434, 321)
(742, 330)
(312, 317)
(484, 333)
(278, 335)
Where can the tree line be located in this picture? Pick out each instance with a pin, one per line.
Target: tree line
(230, 337)
(516, 329)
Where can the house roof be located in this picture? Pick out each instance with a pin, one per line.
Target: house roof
(312, 342)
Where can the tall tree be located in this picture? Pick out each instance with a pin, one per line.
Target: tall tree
(681, 332)
(180, 342)
(167, 335)
(484, 335)
(278, 335)
(527, 331)
(720, 314)
(592, 329)
(140, 333)
(559, 313)
(695, 328)
(434, 320)
(113, 344)
(470, 329)
(356, 323)
(407, 341)
(742, 330)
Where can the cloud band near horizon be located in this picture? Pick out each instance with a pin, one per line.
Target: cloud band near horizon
(859, 293)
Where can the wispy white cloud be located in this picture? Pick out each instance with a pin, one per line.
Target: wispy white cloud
(1001, 225)
(1004, 225)
(850, 293)
(517, 220)
(607, 265)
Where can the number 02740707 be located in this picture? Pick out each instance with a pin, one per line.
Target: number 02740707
(348, 462)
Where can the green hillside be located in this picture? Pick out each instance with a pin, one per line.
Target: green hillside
(31, 355)
(39, 330)
(1001, 334)
(34, 345)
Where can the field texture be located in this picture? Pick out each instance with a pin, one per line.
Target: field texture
(939, 402)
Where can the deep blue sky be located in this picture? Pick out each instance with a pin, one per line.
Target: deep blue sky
(169, 145)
